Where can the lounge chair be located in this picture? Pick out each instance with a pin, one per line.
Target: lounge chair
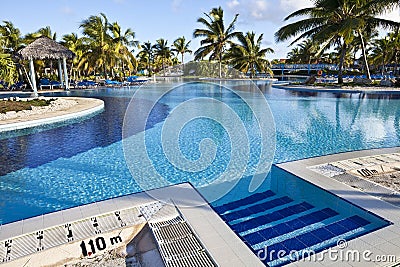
(133, 80)
(55, 84)
(44, 82)
(3, 85)
(20, 85)
(86, 84)
(112, 83)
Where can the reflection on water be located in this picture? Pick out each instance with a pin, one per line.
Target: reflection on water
(84, 162)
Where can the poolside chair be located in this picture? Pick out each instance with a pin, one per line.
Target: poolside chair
(3, 85)
(20, 85)
(44, 82)
(112, 83)
(133, 80)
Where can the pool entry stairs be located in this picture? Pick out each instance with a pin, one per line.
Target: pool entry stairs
(270, 223)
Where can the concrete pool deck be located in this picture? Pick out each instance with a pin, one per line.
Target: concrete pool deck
(220, 241)
(380, 243)
(83, 107)
(339, 89)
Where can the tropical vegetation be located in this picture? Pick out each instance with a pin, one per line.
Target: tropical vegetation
(343, 33)
(332, 23)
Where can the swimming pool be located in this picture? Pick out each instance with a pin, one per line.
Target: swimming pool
(44, 171)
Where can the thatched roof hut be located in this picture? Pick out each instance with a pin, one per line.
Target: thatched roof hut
(45, 48)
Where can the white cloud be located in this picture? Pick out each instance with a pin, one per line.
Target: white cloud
(266, 10)
(176, 5)
(67, 10)
(392, 15)
(291, 5)
(232, 4)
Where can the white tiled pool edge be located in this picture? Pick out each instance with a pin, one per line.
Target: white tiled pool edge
(91, 106)
(221, 242)
(385, 241)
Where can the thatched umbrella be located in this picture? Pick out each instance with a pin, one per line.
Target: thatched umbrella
(46, 48)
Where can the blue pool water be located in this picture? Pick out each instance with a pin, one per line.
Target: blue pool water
(47, 170)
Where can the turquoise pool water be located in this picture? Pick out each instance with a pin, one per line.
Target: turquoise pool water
(44, 171)
(53, 168)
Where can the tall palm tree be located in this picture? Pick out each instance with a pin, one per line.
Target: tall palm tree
(45, 31)
(123, 42)
(95, 28)
(381, 52)
(162, 50)
(12, 39)
(146, 56)
(76, 45)
(335, 23)
(10, 42)
(248, 54)
(395, 47)
(294, 56)
(216, 37)
(181, 46)
(309, 50)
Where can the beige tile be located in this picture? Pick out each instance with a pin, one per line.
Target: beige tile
(32, 224)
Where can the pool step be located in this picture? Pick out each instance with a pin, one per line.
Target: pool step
(271, 217)
(243, 202)
(257, 208)
(260, 237)
(316, 239)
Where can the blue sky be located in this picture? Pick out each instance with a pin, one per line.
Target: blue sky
(168, 19)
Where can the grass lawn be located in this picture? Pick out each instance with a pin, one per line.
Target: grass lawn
(6, 105)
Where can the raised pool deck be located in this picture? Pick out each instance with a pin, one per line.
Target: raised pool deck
(383, 242)
(219, 240)
(84, 107)
(339, 89)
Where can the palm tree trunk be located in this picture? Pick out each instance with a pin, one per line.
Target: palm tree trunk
(364, 55)
(220, 67)
(105, 71)
(183, 65)
(340, 74)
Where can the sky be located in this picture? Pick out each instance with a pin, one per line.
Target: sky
(151, 20)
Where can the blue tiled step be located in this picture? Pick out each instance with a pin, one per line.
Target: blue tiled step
(290, 226)
(251, 210)
(298, 232)
(271, 217)
(243, 202)
(316, 236)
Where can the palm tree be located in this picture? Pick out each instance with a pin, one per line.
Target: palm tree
(10, 42)
(309, 50)
(162, 50)
(181, 46)
(76, 45)
(146, 56)
(395, 47)
(123, 42)
(216, 36)
(294, 56)
(381, 52)
(11, 36)
(95, 28)
(334, 23)
(248, 54)
(45, 31)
